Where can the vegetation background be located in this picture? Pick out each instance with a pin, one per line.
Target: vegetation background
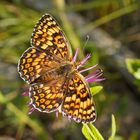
(114, 30)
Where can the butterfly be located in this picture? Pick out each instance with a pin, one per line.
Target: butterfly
(53, 76)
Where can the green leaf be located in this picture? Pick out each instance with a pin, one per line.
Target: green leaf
(96, 132)
(2, 99)
(133, 66)
(112, 137)
(96, 89)
(86, 133)
(91, 133)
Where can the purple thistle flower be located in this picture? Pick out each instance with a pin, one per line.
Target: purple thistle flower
(83, 61)
(56, 113)
(26, 93)
(31, 110)
(81, 71)
(75, 56)
(93, 77)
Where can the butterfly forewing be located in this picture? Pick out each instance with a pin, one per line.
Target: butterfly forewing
(78, 103)
(48, 37)
(34, 63)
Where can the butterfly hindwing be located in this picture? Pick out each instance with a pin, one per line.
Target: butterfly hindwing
(47, 97)
(78, 103)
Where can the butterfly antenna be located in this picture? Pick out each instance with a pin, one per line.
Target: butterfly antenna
(87, 39)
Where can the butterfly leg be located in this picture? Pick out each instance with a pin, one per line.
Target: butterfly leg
(75, 55)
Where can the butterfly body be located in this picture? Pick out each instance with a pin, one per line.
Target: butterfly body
(62, 71)
(54, 79)
(65, 69)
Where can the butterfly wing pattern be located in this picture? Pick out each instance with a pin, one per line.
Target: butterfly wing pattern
(53, 85)
(78, 103)
(47, 97)
(48, 43)
(48, 37)
(34, 63)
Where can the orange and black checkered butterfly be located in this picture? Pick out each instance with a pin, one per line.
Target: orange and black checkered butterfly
(54, 79)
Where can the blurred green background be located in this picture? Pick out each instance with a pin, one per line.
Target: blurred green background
(114, 31)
